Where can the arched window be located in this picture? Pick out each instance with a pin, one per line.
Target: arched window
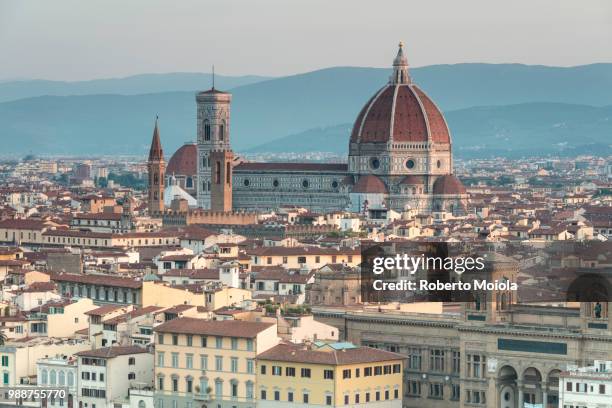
(189, 182)
(52, 377)
(206, 130)
(222, 131)
(70, 379)
(43, 376)
(62, 378)
(155, 178)
(218, 172)
(141, 404)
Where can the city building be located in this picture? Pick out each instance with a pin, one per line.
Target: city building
(329, 374)
(586, 386)
(210, 362)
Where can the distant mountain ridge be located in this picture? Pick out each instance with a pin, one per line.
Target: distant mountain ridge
(131, 85)
(511, 130)
(267, 110)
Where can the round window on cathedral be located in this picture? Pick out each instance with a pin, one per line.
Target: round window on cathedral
(334, 184)
(305, 183)
(374, 163)
(275, 183)
(439, 163)
(247, 182)
(410, 164)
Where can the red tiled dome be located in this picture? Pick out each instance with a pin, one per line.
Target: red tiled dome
(370, 184)
(401, 112)
(184, 161)
(415, 117)
(448, 184)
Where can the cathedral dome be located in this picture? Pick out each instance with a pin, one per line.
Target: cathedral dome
(448, 184)
(184, 161)
(370, 184)
(400, 112)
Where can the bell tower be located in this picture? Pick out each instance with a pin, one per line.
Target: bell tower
(156, 168)
(213, 134)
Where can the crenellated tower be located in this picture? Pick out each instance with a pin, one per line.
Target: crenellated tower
(156, 168)
(213, 135)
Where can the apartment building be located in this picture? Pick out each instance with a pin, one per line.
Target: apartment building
(328, 374)
(105, 375)
(209, 362)
(586, 386)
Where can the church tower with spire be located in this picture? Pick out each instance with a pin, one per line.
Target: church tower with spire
(156, 168)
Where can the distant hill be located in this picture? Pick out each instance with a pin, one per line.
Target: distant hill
(132, 85)
(270, 109)
(512, 130)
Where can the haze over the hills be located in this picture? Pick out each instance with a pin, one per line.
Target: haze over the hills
(268, 110)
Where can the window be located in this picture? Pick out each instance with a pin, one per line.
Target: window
(346, 400)
(346, 374)
(290, 371)
(290, 396)
(234, 343)
(378, 370)
(476, 365)
(397, 368)
(132, 361)
(357, 372)
(160, 338)
(263, 394)
(328, 375)
(234, 388)
(386, 394)
(174, 384)
(456, 362)
(263, 370)
(328, 400)
(175, 339)
(218, 363)
(568, 386)
(276, 395)
(189, 384)
(160, 383)
(221, 132)
(250, 366)
(436, 390)
(277, 370)
(249, 344)
(189, 360)
(203, 362)
(219, 389)
(203, 342)
(219, 342)
(356, 398)
(175, 360)
(305, 372)
(131, 376)
(206, 130)
(602, 388)
(249, 390)
(455, 392)
(234, 365)
(367, 372)
(305, 398)
(190, 340)
(436, 360)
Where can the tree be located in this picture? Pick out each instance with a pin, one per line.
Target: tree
(2, 338)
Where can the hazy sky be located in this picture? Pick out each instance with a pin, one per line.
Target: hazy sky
(77, 39)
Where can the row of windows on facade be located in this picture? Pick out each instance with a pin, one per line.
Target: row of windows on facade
(275, 183)
(189, 362)
(585, 388)
(475, 363)
(203, 389)
(367, 396)
(329, 374)
(302, 259)
(53, 377)
(101, 294)
(234, 341)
